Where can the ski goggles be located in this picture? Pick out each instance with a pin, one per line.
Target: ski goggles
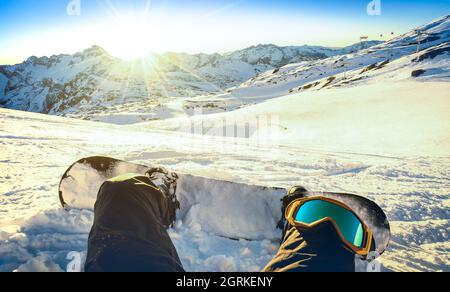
(309, 212)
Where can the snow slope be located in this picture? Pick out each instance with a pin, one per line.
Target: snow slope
(399, 117)
(36, 234)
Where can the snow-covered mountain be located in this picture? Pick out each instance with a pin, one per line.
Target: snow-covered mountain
(412, 55)
(420, 55)
(281, 56)
(92, 80)
(93, 85)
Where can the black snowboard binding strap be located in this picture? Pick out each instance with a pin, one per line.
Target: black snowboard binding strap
(166, 182)
(293, 194)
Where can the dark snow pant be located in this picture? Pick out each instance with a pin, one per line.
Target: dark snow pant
(129, 235)
(319, 250)
(129, 232)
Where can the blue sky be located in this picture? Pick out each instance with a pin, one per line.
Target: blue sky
(131, 28)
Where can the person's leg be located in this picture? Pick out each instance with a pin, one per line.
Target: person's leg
(320, 250)
(129, 231)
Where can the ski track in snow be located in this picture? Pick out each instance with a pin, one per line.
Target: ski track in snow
(36, 234)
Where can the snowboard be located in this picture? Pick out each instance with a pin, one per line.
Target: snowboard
(207, 199)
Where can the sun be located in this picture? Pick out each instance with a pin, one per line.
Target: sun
(133, 33)
(130, 39)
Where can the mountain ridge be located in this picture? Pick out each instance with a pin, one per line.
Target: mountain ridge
(100, 50)
(57, 83)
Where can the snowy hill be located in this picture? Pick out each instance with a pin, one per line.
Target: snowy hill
(36, 234)
(92, 81)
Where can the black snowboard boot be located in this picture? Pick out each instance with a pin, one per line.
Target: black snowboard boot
(167, 183)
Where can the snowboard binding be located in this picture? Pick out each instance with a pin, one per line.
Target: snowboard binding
(293, 194)
(166, 182)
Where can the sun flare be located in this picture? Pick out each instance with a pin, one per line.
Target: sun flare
(130, 38)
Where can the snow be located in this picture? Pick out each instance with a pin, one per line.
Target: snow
(411, 186)
(204, 200)
(40, 263)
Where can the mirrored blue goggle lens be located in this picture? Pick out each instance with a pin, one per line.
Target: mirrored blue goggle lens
(349, 225)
